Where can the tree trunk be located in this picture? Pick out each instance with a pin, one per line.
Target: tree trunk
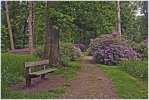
(51, 44)
(118, 24)
(9, 27)
(24, 33)
(25, 29)
(30, 27)
(34, 26)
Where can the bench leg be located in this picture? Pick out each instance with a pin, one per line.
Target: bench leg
(43, 76)
(28, 82)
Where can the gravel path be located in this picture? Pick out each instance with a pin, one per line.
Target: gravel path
(90, 83)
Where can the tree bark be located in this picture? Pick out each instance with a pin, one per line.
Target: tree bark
(51, 44)
(9, 27)
(118, 24)
(30, 27)
(24, 33)
(34, 26)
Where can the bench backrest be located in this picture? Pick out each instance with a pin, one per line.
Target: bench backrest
(36, 63)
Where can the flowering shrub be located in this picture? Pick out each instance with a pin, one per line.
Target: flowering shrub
(81, 46)
(69, 51)
(141, 49)
(145, 41)
(110, 39)
(111, 54)
(75, 53)
(109, 49)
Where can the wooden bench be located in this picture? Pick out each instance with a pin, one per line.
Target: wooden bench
(29, 75)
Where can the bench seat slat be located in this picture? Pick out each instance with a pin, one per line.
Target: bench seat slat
(36, 63)
(42, 71)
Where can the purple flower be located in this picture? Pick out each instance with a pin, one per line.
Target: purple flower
(81, 46)
(106, 56)
(114, 33)
(145, 41)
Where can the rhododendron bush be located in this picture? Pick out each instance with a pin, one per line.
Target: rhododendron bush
(111, 54)
(108, 49)
(69, 51)
(110, 39)
(142, 49)
(81, 47)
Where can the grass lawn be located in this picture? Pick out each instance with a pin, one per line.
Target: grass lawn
(12, 68)
(126, 86)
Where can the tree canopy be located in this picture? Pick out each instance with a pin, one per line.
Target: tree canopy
(78, 21)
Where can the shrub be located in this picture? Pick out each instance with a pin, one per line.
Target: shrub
(141, 49)
(38, 51)
(111, 54)
(108, 49)
(135, 68)
(109, 39)
(81, 47)
(69, 51)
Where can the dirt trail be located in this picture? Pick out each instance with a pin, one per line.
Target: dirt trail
(90, 83)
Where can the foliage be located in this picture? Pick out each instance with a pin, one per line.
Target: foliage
(135, 68)
(38, 51)
(134, 26)
(86, 23)
(110, 39)
(40, 22)
(127, 87)
(142, 49)
(77, 21)
(108, 49)
(69, 51)
(12, 69)
(81, 47)
(112, 54)
(18, 15)
(141, 29)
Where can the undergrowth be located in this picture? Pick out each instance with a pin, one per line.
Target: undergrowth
(138, 69)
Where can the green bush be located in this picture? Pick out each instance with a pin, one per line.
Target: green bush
(38, 51)
(135, 68)
(69, 51)
(142, 50)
